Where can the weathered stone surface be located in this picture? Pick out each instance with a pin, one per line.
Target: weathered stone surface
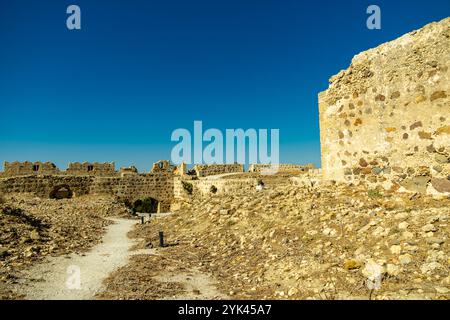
(440, 158)
(441, 184)
(412, 106)
(416, 184)
(352, 264)
(405, 259)
(433, 240)
(377, 170)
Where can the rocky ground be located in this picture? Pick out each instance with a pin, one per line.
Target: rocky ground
(160, 274)
(282, 242)
(33, 228)
(287, 242)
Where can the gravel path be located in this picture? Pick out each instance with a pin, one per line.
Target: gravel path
(56, 278)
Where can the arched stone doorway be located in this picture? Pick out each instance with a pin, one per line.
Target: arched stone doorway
(61, 192)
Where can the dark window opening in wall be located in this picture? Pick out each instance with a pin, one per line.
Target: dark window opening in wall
(161, 165)
(35, 167)
(90, 168)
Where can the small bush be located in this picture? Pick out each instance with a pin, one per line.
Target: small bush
(188, 187)
(260, 182)
(191, 172)
(146, 205)
(213, 189)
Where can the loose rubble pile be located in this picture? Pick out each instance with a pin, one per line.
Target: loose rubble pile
(32, 228)
(287, 242)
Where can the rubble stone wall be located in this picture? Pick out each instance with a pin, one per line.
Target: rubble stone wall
(162, 165)
(282, 167)
(203, 187)
(224, 186)
(13, 169)
(204, 170)
(93, 169)
(43, 185)
(158, 186)
(386, 119)
(28, 168)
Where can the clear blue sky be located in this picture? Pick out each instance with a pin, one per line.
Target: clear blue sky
(115, 90)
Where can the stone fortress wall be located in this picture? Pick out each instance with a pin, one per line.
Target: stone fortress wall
(203, 186)
(13, 169)
(94, 169)
(159, 186)
(163, 183)
(45, 179)
(203, 170)
(386, 119)
(294, 168)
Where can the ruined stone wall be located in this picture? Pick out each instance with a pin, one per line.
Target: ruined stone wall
(203, 187)
(226, 186)
(91, 178)
(386, 119)
(13, 169)
(92, 169)
(163, 165)
(159, 186)
(43, 186)
(291, 168)
(128, 171)
(28, 168)
(204, 170)
(178, 191)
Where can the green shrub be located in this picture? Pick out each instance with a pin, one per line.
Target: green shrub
(191, 172)
(188, 187)
(146, 205)
(213, 189)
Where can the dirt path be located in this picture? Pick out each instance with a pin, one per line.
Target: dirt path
(56, 278)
